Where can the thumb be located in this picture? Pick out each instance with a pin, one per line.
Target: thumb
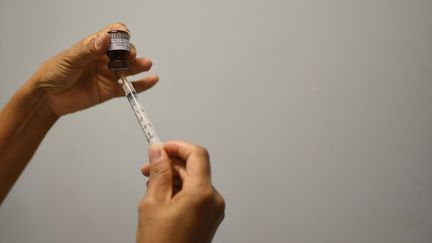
(161, 174)
(89, 49)
(93, 46)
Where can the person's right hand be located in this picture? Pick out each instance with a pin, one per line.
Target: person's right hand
(184, 211)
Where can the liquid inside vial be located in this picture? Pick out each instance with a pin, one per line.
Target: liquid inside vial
(119, 50)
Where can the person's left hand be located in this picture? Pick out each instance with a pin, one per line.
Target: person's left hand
(78, 77)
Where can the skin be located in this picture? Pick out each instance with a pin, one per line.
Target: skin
(73, 80)
(180, 204)
(186, 210)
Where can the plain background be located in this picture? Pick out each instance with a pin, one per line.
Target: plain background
(317, 115)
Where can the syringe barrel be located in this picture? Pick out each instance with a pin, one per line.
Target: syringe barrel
(143, 119)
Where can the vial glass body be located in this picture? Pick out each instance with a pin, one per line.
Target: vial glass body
(119, 50)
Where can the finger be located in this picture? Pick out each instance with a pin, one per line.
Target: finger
(145, 169)
(132, 53)
(180, 170)
(139, 65)
(178, 167)
(145, 83)
(93, 46)
(139, 85)
(196, 158)
(177, 181)
(161, 177)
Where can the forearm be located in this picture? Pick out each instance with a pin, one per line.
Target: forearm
(24, 121)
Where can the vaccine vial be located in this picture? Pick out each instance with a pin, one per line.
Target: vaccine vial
(119, 50)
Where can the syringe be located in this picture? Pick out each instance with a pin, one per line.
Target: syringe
(143, 119)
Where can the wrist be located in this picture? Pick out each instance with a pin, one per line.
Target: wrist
(35, 96)
(25, 120)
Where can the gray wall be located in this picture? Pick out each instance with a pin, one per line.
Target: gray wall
(317, 114)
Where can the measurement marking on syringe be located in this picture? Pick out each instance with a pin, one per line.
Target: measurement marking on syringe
(141, 116)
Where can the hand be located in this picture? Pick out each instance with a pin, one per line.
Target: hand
(79, 77)
(185, 212)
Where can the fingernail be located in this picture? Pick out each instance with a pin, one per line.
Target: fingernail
(155, 152)
(100, 40)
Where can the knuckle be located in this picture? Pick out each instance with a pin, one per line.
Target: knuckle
(157, 170)
(145, 204)
(210, 201)
(220, 204)
(206, 197)
(202, 151)
(90, 38)
(87, 44)
(220, 200)
(119, 25)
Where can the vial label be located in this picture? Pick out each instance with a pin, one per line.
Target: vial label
(119, 41)
(119, 44)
